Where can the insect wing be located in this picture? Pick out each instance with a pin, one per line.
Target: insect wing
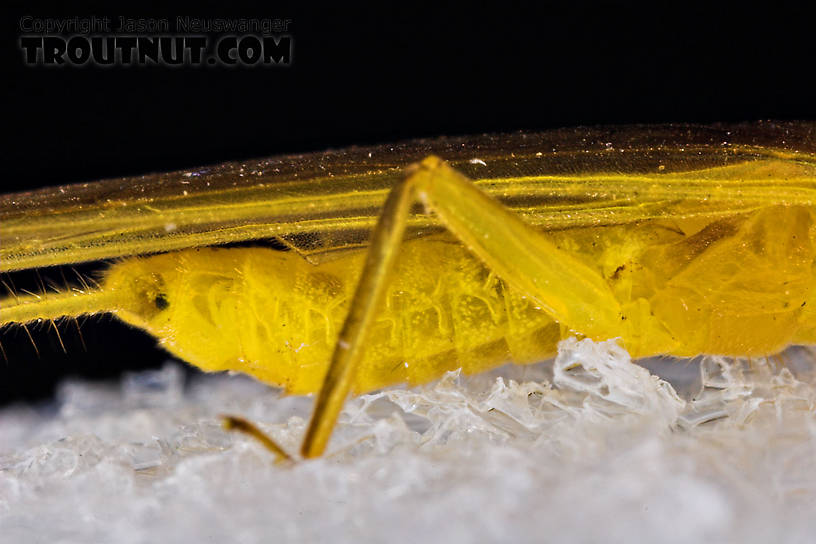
(322, 203)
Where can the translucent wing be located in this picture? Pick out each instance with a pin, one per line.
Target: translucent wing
(324, 202)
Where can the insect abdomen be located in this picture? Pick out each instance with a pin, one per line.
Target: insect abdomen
(275, 316)
(741, 285)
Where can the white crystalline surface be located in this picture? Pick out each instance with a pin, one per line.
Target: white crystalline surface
(591, 448)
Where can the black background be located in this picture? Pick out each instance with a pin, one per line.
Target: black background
(373, 76)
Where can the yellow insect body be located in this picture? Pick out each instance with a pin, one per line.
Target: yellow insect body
(273, 315)
(713, 254)
(739, 286)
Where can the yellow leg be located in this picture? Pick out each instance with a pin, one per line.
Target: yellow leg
(377, 270)
(572, 292)
(234, 423)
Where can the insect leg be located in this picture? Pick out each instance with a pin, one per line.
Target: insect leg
(234, 423)
(374, 279)
(572, 292)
